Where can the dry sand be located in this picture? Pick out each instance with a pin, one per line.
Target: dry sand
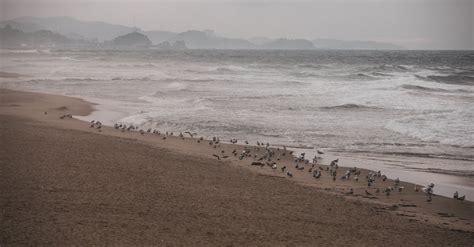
(63, 183)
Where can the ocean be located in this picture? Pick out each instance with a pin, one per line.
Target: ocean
(409, 113)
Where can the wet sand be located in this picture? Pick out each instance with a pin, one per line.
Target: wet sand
(63, 183)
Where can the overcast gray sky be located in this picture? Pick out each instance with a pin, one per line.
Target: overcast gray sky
(415, 24)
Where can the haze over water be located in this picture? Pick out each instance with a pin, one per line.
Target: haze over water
(413, 104)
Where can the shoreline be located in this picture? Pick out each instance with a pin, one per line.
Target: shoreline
(408, 205)
(391, 165)
(350, 159)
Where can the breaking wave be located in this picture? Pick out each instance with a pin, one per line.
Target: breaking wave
(349, 107)
(450, 128)
(429, 89)
(227, 69)
(313, 66)
(386, 68)
(449, 79)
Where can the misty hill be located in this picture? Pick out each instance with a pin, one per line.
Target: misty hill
(334, 44)
(260, 40)
(208, 40)
(158, 37)
(134, 39)
(289, 44)
(69, 27)
(27, 27)
(10, 37)
(95, 32)
(178, 45)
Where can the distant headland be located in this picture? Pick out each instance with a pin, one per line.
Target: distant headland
(70, 32)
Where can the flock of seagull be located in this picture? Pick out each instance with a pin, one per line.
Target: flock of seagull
(264, 156)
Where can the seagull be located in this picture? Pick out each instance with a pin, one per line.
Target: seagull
(319, 152)
(190, 134)
(217, 156)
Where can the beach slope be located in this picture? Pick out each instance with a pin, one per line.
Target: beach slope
(60, 185)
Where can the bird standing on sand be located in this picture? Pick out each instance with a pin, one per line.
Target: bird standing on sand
(317, 174)
(396, 182)
(457, 197)
(429, 191)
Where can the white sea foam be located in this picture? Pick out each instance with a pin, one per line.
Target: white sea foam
(451, 128)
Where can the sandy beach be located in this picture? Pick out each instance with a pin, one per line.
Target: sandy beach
(64, 183)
